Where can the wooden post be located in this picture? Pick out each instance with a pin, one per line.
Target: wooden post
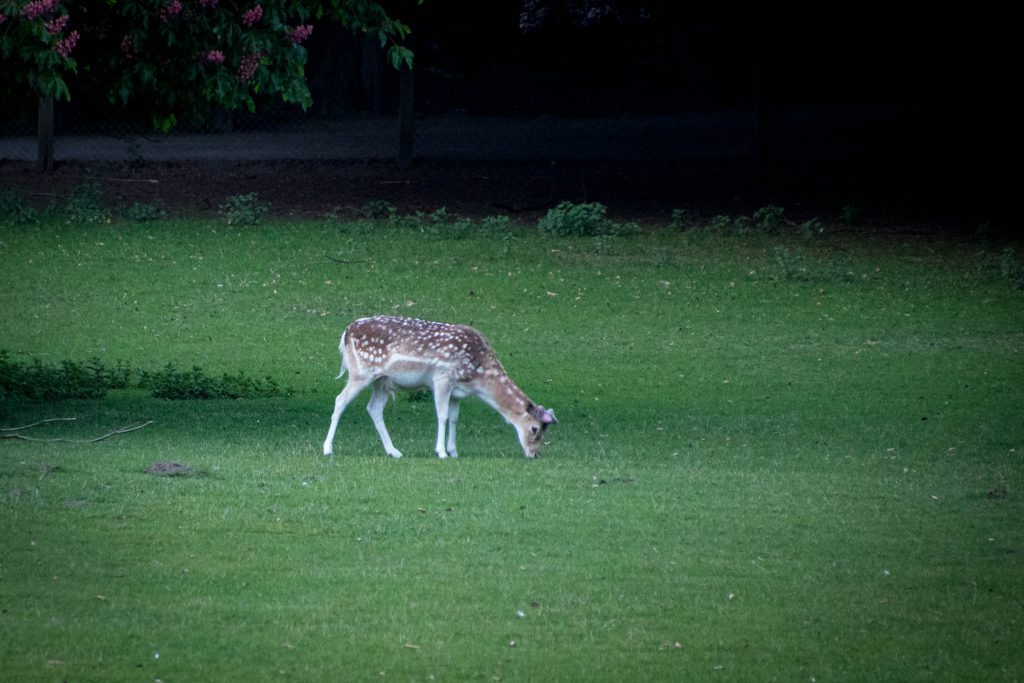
(44, 156)
(406, 118)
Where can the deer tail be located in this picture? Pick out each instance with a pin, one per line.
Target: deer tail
(341, 351)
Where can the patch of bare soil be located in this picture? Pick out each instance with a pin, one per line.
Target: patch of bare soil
(169, 468)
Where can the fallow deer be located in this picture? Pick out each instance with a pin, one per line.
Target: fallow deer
(453, 361)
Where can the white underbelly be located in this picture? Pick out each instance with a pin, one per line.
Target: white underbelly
(412, 379)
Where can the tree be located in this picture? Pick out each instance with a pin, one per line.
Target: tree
(175, 57)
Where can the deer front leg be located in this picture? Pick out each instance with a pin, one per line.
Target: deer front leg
(453, 418)
(442, 399)
(376, 409)
(351, 390)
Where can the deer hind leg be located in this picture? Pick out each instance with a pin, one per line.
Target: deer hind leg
(375, 407)
(351, 390)
(453, 418)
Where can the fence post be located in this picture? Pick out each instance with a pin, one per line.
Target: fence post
(44, 156)
(406, 118)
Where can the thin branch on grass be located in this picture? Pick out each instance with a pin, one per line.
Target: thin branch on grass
(135, 426)
(34, 424)
(341, 260)
(151, 181)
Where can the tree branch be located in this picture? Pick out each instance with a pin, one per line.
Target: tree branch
(120, 430)
(34, 424)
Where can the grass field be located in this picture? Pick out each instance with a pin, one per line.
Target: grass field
(777, 459)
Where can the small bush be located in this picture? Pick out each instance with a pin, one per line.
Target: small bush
(850, 215)
(792, 265)
(680, 220)
(244, 209)
(378, 209)
(499, 227)
(38, 381)
(171, 383)
(768, 218)
(85, 205)
(1010, 267)
(14, 208)
(578, 220)
(810, 229)
(141, 212)
(720, 223)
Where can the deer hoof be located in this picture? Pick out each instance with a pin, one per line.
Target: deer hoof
(396, 454)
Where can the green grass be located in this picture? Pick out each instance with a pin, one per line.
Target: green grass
(796, 466)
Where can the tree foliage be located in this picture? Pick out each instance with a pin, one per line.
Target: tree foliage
(177, 57)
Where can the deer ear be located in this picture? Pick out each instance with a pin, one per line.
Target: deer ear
(546, 417)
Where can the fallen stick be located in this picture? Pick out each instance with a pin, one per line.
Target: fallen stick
(34, 424)
(120, 430)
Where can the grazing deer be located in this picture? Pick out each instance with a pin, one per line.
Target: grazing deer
(453, 361)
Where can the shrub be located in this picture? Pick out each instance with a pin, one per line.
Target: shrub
(1010, 268)
(378, 208)
(244, 209)
(578, 220)
(13, 207)
(38, 381)
(850, 215)
(768, 218)
(85, 205)
(811, 228)
(174, 384)
(679, 220)
(499, 227)
(141, 212)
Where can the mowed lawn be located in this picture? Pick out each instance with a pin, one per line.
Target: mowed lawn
(776, 459)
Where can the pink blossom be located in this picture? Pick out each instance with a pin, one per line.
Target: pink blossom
(252, 16)
(38, 8)
(214, 57)
(300, 33)
(247, 68)
(55, 26)
(3, 18)
(173, 8)
(65, 46)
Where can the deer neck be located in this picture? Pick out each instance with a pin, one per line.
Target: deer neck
(501, 393)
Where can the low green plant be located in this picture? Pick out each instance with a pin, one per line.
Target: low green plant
(720, 223)
(39, 381)
(792, 265)
(1011, 268)
(174, 384)
(768, 218)
(578, 220)
(85, 204)
(244, 209)
(811, 228)
(850, 215)
(680, 220)
(499, 227)
(143, 212)
(13, 207)
(378, 209)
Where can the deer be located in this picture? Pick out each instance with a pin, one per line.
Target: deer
(453, 361)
